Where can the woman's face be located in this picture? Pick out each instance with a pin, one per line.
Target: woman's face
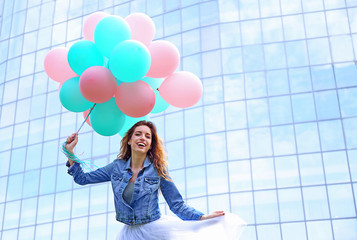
(140, 141)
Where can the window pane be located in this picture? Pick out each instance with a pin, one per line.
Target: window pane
(216, 181)
(303, 107)
(216, 147)
(283, 140)
(300, 80)
(307, 138)
(260, 142)
(28, 211)
(263, 173)
(45, 212)
(212, 90)
(311, 169)
(257, 113)
(290, 203)
(238, 145)
(176, 154)
(323, 77)
(194, 151)
(242, 205)
(341, 201)
(235, 115)
(274, 56)
(315, 25)
(278, 82)
(331, 135)
(294, 231)
(350, 131)
(240, 176)
(197, 186)
(315, 203)
(280, 110)
(319, 230)
(214, 118)
(255, 85)
(336, 167)
(346, 74)
(266, 232)
(266, 206)
(348, 98)
(345, 229)
(287, 172)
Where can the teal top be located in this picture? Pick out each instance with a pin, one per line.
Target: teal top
(128, 192)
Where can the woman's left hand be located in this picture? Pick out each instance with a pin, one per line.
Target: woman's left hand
(212, 215)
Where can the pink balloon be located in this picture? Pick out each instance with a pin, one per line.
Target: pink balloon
(56, 65)
(85, 113)
(90, 23)
(181, 89)
(97, 84)
(165, 59)
(142, 27)
(135, 99)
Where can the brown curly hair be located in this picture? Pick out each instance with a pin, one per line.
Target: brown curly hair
(156, 154)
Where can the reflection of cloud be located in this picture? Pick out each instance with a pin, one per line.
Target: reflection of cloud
(260, 142)
(307, 137)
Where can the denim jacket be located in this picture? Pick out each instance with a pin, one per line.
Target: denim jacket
(145, 202)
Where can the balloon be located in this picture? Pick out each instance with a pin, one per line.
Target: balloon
(142, 27)
(90, 23)
(71, 98)
(56, 65)
(84, 54)
(129, 122)
(160, 104)
(106, 118)
(109, 32)
(97, 84)
(85, 114)
(181, 89)
(165, 59)
(129, 61)
(135, 99)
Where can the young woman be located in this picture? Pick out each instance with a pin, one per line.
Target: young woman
(137, 174)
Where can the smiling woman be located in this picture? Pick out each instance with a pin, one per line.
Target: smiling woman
(137, 174)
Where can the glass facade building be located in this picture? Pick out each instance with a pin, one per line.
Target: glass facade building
(273, 139)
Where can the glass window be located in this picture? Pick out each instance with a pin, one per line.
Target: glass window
(3, 184)
(251, 32)
(345, 229)
(20, 135)
(17, 163)
(80, 231)
(174, 126)
(214, 118)
(290, 6)
(238, 145)
(195, 151)
(209, 13)
(255, 85)
(307, 138)
(277, 81)
(7, 114)
(274, 56)
(234, 87)
(346, 74)
(198, 203)
(28, 211)
(74, 29)
(218, 202)
(342, 49)
(283, 140)
(350, 131)
(215, 147)
(96, 226)
(98, 198)
(44, 38)
(263, 173)
(217, 178)
(323, 77)
(12, 214)
(26, 233)
(45, 212)
(190, 42)
(315, 203)
(352, 158)
(327, 105)
(303, 107)
(235, 115)
(172, 22)
(253, 58)
(48, 178)
(311, 169)
(51, 128)
(212, 90)
(280, 110)
(158, 21)
(310, 6)
(29, 44)
(240, 176)
(228, 11)
(348, 98)
(257, 113)
(36, 131)
(33, 156)
(5, 28)
(84, 145)
(38, 104)
(300, 80)
(80, 202)
(62, 211)
(190, 17)
(18, 23)
(287, 172)
(178, 177)
(352, 15)
(232, 60)
(315, 24)
(25, 87)
(331, 135)
(272, 30)
(294, 231)
(27, 64)
(67, 126)
(319, 51)
(31, 183)
(59, 33)
(341, 201)
(248, 9)
(61, 229)
(270, 8)
(63, 178)
(230, 35)
(336, 167)
(196, 181)
(44, 231)
(294, 27)
(290, 203)
(211, 63)
(271, 231)
(53, 104)
(23, 110)
(176, 158)
(193, 64)
(337, 22)
(6, 138)
(260, 142)
(5, 162)
(296, 52)
(193, 121)
(210, 38)
(14, 48)
(266, 206)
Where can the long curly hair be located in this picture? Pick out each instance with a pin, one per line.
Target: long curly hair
(156, 154)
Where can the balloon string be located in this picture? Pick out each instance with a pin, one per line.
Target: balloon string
(87, 165)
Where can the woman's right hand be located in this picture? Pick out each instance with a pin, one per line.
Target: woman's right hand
(71, 142)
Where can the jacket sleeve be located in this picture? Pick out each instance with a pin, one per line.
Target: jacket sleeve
(176, 203)
(100, 175)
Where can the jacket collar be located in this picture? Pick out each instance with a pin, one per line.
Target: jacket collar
(147, 163)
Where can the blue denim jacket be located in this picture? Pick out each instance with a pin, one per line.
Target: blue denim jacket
(145, 202)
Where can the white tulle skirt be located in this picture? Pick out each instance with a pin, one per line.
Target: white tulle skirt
(229, 226)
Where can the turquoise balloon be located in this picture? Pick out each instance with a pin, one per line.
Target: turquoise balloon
(109, 32)
(71, 98)
(129, 122)
(160, 104)
(84, 54)
(106, 118)
(130, 61)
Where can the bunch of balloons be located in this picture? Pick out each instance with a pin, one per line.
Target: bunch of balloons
(123, 71)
